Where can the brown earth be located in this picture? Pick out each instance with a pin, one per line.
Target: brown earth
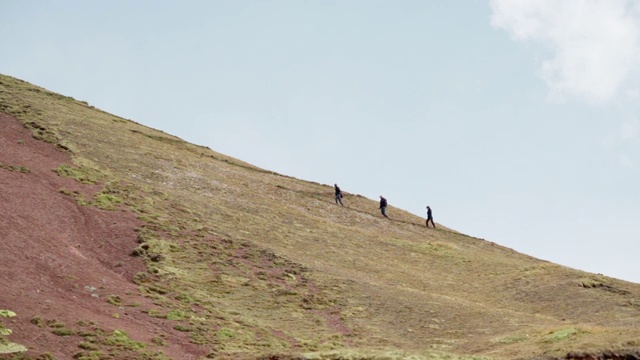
(62, 260)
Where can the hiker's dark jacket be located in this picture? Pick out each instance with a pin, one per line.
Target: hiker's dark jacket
(383, 203)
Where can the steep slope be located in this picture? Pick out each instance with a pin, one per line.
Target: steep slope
(232, 260)
(60, 258)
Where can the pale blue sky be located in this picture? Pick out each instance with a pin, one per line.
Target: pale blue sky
(516, 121)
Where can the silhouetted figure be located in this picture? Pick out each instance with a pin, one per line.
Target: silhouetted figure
(338, 194)
(430, 217)
(383, 206)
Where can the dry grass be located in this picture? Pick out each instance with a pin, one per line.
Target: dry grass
(279, 268)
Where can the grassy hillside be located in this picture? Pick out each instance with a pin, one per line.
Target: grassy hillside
(250, 263)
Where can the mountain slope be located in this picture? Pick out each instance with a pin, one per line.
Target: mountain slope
(230, 260)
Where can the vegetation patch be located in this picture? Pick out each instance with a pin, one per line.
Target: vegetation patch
(7, 314)
(64, 332)
(225, 333)
(100, 200)
(91, 355)
(114, 300)
(590, 283)
(77, 196)
(512, 339)
(183, 328)
(159, 341)
(96, 343)
(595, 283)
(40, 132)
(88, 346)
(82, 174)
(429, 248)
(176, 315)
(121, 339)
(7, 347)
(15, 168)
(37, 321)
(106, 201)
(151, 289)
(53, 323)
(360, 354)
(141, 278)
(159, 138)
(562, 334)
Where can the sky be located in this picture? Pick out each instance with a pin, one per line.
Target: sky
(517, 121)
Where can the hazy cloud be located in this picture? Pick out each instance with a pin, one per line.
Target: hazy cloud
(624, 142)
(630, 130)
(593, 44)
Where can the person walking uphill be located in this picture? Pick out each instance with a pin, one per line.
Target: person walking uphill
(383, 206)
(338, 194)
(430, 217)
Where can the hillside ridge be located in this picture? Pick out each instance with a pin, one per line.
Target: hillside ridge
(216, 258)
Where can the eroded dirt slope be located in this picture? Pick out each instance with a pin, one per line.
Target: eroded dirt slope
(63, 261)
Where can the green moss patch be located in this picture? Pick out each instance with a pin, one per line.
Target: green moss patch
(7, 347)
(120, 339)
(561, 334)
(7, 314)
(82, 174)
(107, 201)
(64, 332)
(15, 168)
(11, 348)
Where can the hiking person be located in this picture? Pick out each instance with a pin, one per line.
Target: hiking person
(430, 217)
(383, 206)
(338, 194)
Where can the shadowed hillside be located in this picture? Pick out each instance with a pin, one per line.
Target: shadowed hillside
(124, 242)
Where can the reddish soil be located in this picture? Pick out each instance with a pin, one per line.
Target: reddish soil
(61, 261)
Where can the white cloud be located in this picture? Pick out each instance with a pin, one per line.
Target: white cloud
(594, 44)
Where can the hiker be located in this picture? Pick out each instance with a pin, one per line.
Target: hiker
(338, 194)
(383, 206)
(430, 217)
